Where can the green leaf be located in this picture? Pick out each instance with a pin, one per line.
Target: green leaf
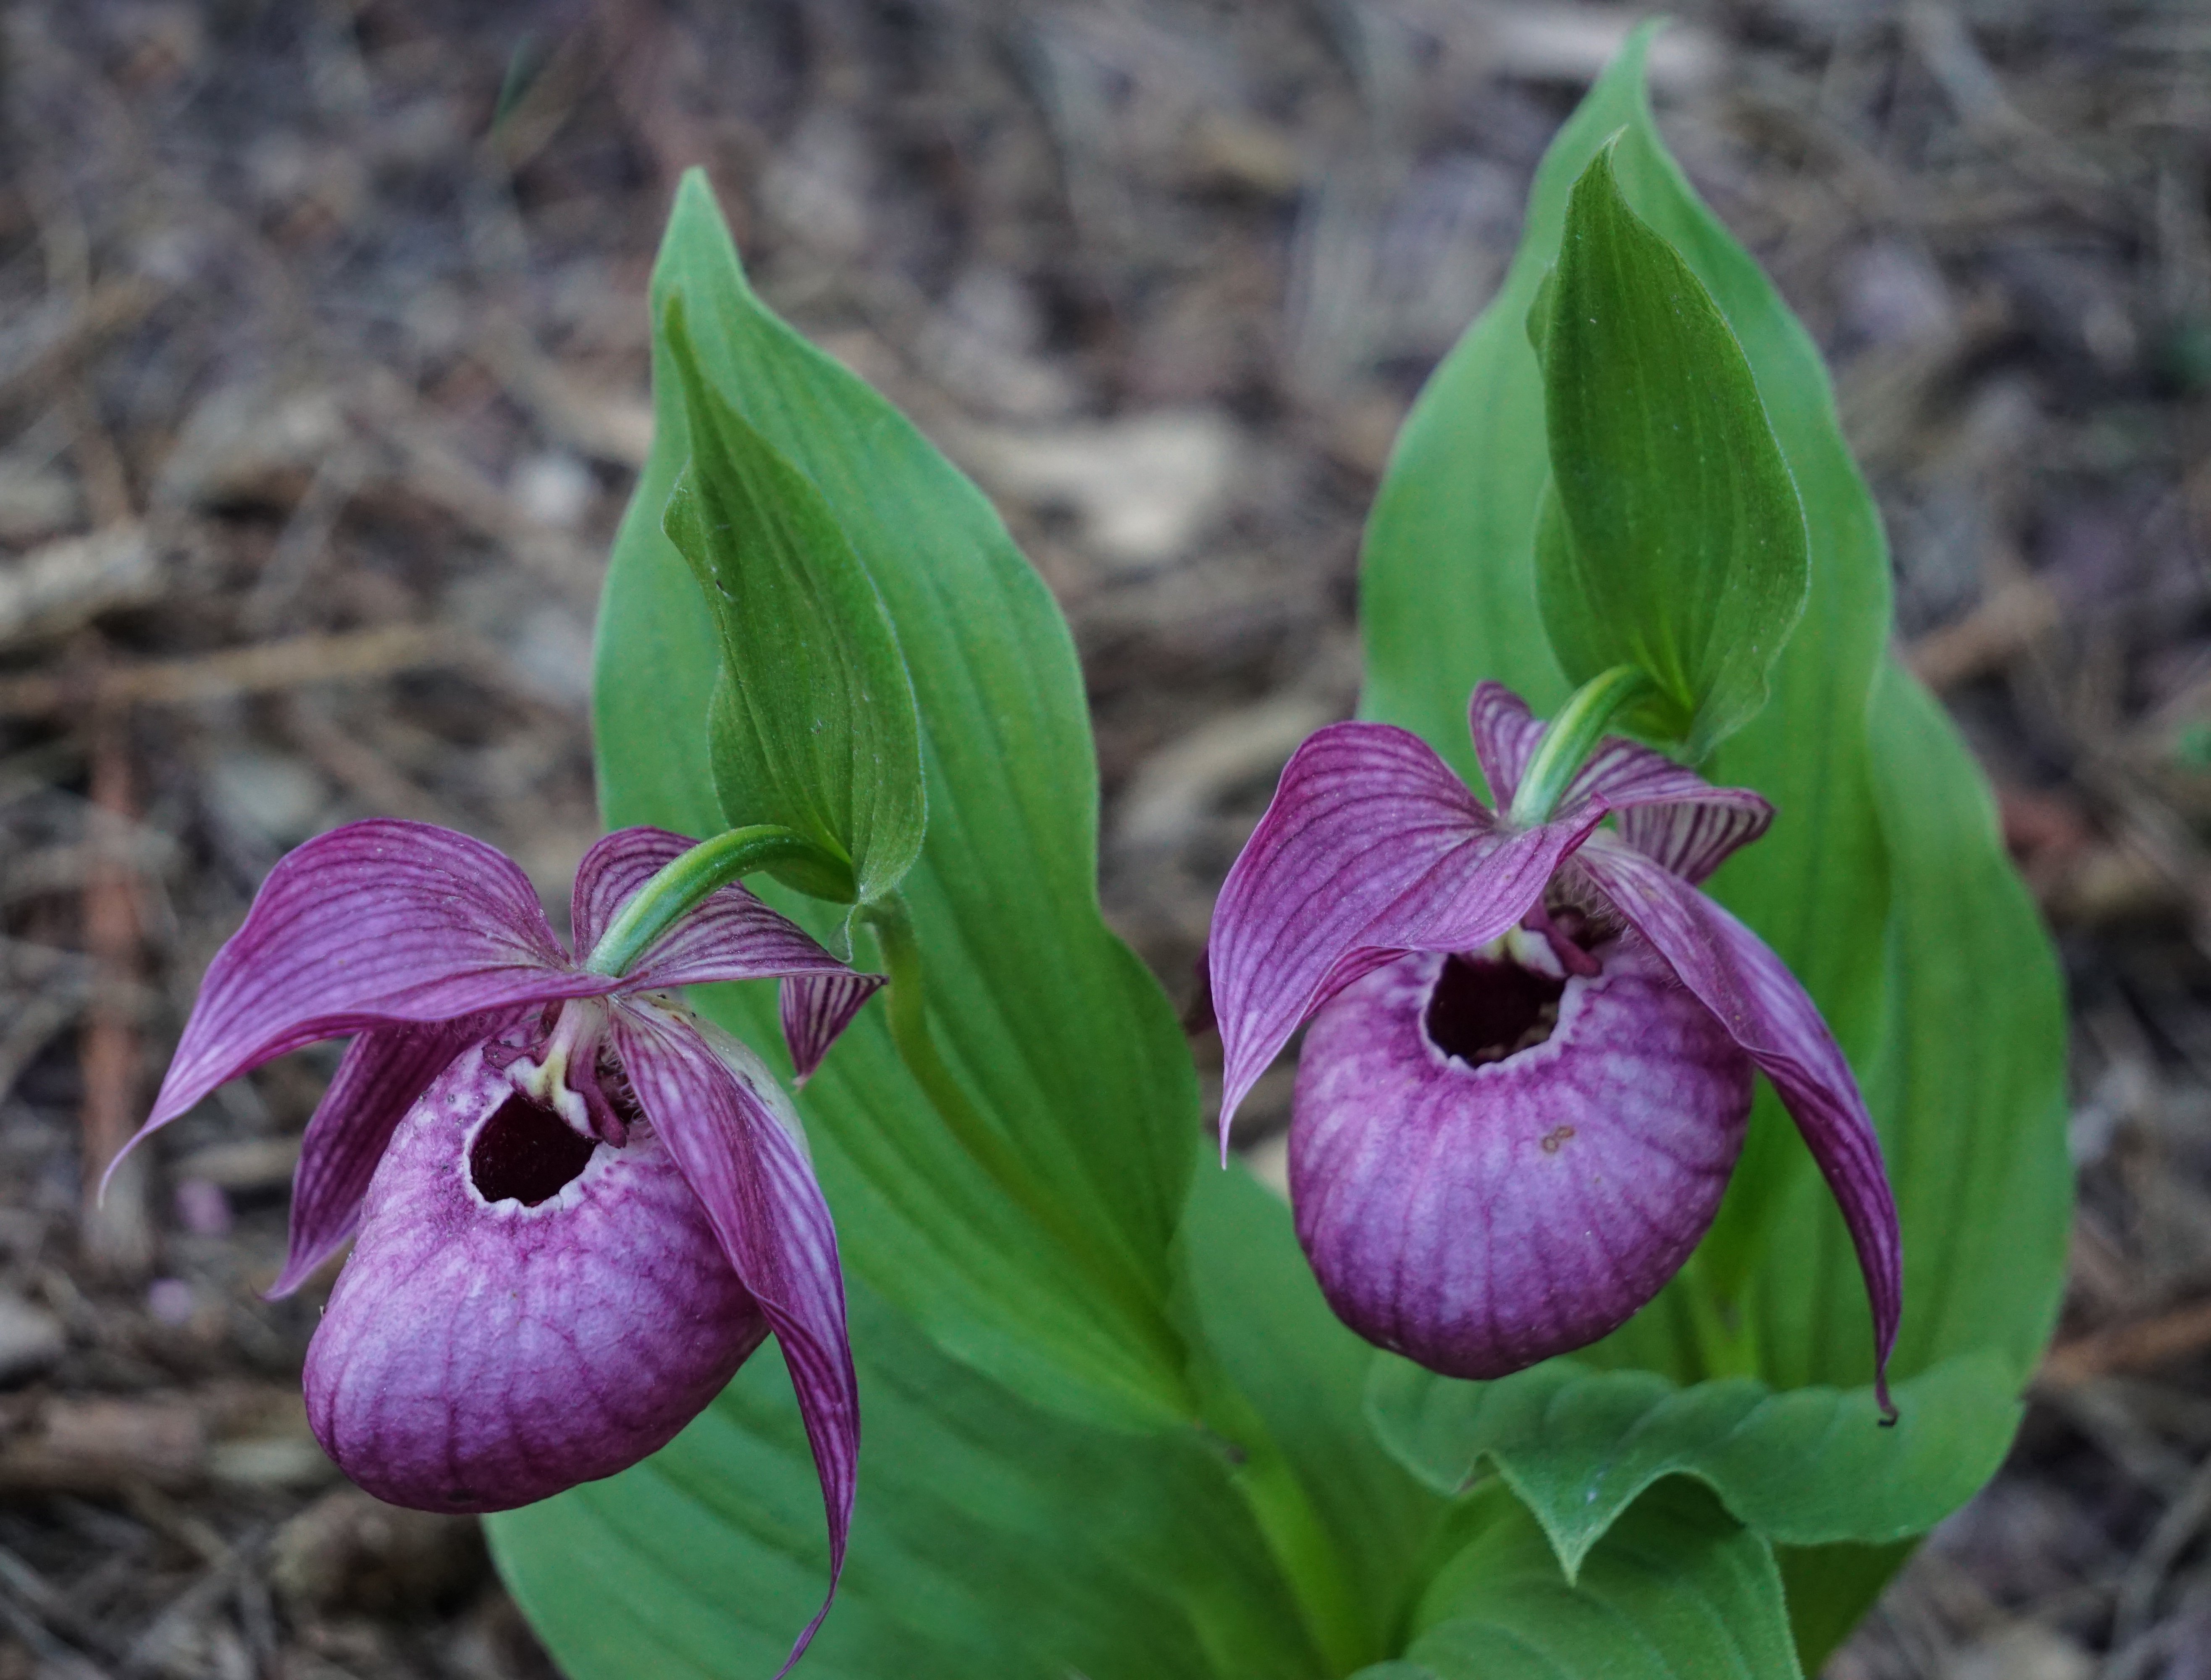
(1807, 1466)
(1675, 1590)
(1040, 1330)
(1883, 883)
(1052, 1026)
(1672, 538)
(992, 1538)
(813, 724)
(1257, 1307)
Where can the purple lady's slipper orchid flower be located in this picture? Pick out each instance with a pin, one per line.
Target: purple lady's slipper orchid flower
(579, 1207)
(1531, 1056)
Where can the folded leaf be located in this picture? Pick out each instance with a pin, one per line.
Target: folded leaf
(1675, 1589)
(1803, 1466)
(1678, 545)
(812, 723)
(991, 1538)
(1060, 1037)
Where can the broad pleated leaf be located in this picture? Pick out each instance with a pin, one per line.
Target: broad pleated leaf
(1676, 1590)
(991, 1538)
(1807, 1466)
(1255, 1302)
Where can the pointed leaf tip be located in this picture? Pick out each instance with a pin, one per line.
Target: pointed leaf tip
(813, 724)
(1672, 537)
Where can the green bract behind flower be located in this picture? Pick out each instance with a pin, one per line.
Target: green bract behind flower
(812, 725)
(1671, 538)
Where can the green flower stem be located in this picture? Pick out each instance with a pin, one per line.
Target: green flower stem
(907, 1000)
(1279, 1505)
(684, 881)
(1572, 737)
(1308, 1553)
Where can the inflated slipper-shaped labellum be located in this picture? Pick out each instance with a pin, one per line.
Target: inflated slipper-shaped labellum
(1532, 1048)
(578, 1207)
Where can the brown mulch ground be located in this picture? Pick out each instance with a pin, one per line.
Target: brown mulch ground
(322, 385)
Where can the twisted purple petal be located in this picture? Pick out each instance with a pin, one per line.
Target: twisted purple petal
(1506, 736)
(611, 871)
(375, 923)
(1760, 1004)
(816, 1008)
(384, 1072)
(1372, 847)
(1665, 811)
(727, 936)
(718, 1111)
(1691, 838)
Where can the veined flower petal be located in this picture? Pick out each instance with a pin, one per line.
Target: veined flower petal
(727, 936)
(1668, 812)
(1506, 736)
(1372, 847)
(1691, 838)
(374, 923)
(1759, 1002)
(742, 1150)
(1480, 1215)
(816, 1009)
(382, 1073)
(1665, 811)
(609, 874)
(513, 1321)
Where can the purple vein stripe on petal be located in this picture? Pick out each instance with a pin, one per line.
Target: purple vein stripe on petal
(729, 935)
(1666, 811)
(1506, 736)
(719, 1115)
(1751, 990)
(376, 922)
(816, 1008)
(614, 868)
(382, 1072)
(1371, 846)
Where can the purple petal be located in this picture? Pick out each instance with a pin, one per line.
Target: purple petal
(727, 1125)
(384, 1072)
(1506, 736)
(614, 868)
(729, 935)
(494, 1340)
(1759, 1002)
(1693, 838)
(1478, 1208)
(1666, 811)
(374, 923)
(1372, 847)
(816, 1008)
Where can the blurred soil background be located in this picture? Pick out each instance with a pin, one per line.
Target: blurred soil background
(323, 364)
